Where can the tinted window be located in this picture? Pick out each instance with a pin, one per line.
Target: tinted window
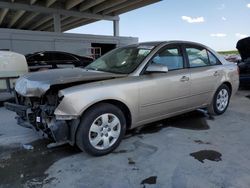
(40, 57)
(197, 57)
(31, 58)
(63, 57)
(171, 57)
(213, 60)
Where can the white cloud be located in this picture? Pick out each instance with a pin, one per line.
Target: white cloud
(223, 18)
(193, 20)
(218, 35)
(239, 35)
(248, 5)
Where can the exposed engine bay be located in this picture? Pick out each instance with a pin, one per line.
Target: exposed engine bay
(36, 101)
(38, 113)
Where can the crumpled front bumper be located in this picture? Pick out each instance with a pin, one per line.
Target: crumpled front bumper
(19, 109)
(58, 130)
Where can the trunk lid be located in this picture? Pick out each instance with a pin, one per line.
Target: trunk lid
(243, 47)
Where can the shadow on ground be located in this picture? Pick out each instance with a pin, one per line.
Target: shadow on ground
(196, 120)
(22, 166)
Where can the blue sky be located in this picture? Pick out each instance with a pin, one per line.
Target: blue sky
(216, 23)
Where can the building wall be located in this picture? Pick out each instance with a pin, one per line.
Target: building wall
(25, 42)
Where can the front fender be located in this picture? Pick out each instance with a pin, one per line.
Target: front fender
(79, 98)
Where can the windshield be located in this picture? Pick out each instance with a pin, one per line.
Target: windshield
(121, 60)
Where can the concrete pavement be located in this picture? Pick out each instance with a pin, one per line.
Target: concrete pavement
(191, 150)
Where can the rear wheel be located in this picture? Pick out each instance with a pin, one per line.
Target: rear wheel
(220, 100)
(101, 129)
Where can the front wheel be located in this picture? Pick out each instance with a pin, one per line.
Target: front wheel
(220, 100)
(101, 129)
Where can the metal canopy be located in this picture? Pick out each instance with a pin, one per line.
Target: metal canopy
(63, 15)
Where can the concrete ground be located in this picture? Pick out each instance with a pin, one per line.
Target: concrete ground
(5, 96)
(188, 151)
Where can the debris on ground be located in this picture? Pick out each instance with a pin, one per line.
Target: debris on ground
(130, 161)
(150, 180)
(207, 154)
(201, 142)
(28, 147)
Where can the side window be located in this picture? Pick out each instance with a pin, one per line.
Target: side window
(31, 58)
(63, 57)
(171, 57)
(197, 57)
(38, 57)
(42, 57)
(213, 60)
(47, 57)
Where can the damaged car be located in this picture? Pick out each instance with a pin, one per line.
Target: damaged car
(128, 87)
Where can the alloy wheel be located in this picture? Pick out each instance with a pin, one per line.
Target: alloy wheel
(222, 100)
(104, 131)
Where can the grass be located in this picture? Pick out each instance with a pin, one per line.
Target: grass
(232, 52)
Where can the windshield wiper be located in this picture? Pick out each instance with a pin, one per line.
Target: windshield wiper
(104, 70)
(91, 69)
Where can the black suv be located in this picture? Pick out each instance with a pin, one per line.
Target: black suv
(243, 47)
(55, 59)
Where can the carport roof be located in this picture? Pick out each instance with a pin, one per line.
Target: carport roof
(44, 15)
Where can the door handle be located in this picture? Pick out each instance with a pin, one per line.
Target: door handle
(216, 73)
(184, 79)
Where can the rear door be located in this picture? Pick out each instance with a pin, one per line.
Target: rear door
(165, 93)
(205, 73)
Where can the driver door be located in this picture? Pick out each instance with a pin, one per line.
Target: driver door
(162, 94)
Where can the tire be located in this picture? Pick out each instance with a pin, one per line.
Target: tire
(101, 129)
(220, 101)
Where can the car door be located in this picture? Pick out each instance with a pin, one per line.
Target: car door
(205, 72)
(164, 93)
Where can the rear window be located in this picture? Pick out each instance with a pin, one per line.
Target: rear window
(197, 57)
(201, 57)
(63, 57)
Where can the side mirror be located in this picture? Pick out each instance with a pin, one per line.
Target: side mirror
(157, 68)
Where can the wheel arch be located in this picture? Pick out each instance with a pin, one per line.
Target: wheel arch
(211, 108)
(124, 108)
(229, 85)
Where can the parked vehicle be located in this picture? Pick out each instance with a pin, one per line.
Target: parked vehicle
(127, 87)
(243, 47)
(55, 59)
(234, 58)
(12, 65)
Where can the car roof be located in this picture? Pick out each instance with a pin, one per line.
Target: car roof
(156, 43)
(53, 52)
(60, 52)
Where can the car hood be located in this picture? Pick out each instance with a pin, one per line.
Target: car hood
(243, 47)
(38, 83)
